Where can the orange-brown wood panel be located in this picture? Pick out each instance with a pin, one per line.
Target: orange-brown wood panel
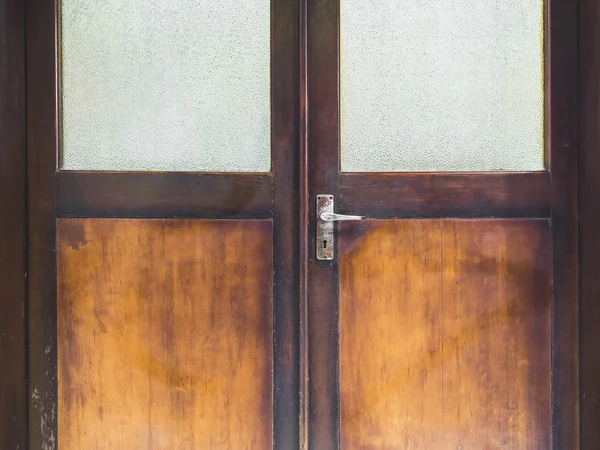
(445, 334)
(389, 334)
(496, 333)
(164, 334)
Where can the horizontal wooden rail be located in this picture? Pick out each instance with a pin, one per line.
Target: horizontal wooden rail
(164, 194)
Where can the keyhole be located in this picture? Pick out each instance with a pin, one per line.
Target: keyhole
(325, 244)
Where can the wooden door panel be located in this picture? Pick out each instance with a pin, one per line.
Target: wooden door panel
(390, 317)
(164, 334)
(496, 333)
(445, 334)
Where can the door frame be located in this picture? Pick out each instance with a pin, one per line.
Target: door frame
(17, 105)
(589, 221)
(13, 231)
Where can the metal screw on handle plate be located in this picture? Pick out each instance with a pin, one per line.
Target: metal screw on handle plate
(325, 229)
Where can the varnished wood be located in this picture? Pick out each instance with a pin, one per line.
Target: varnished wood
(13, 377)
(562, 124)
(322, 148)
(304, 218)
(589, 228)
(41, 270)
(164, 194)
(445, 334)
(549, 194)
(287, 222)
(390, 333)
(143, 195)
(164, 334)
(497, 333)
(321, 283)
(395, 195)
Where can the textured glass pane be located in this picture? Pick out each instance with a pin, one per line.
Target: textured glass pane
(430, 85)
(166, 85)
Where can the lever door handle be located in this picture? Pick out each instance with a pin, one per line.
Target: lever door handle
(325, 226)
(332, 217)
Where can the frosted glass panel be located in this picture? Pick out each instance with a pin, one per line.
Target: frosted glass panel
(166, 85)
(430, 85)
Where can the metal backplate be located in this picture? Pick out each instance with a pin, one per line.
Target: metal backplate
(325, 243)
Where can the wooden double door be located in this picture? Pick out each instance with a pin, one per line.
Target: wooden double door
(180, 294)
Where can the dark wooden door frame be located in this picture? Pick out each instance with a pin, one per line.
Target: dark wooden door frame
(13, 359)
(589, 220)
(13, 190)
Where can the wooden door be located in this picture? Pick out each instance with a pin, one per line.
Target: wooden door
(183, 306)
(448, 318)
(163, 225)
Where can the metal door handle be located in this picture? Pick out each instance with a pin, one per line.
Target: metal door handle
(325, 243)
(332, 217)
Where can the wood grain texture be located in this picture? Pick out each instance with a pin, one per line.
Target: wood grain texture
(496, 333)
(40, 33)
(304, 221)
(390, 330)
(434, 195)
(445, 334)
(13, 232)
(286, 222)
(562, 118)
(165, 332)
(322, 41)
(164, 195)
(589, 225)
